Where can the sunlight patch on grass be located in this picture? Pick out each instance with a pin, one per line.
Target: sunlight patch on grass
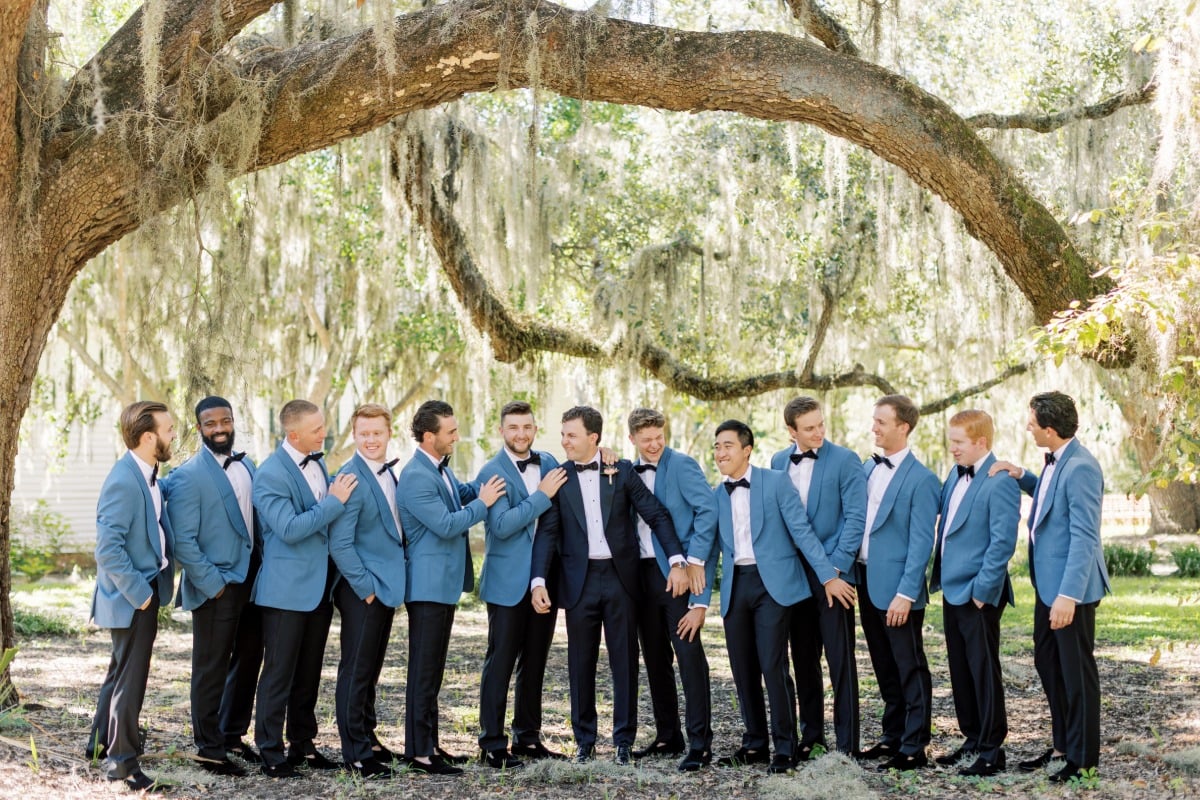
(831, 776)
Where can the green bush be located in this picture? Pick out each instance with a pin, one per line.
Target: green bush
(1127, 560)
(1188, 561)
(37, 541)
(31, 624)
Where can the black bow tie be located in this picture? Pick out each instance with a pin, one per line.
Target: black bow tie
(740, 482)
(310, 457)
(1050, 459)
(640, 468)
(883, 460)
(585, 467)
(534, 458)
(232, 458)
(154, 475)
(967, 471)
(798, 457)
(445, 462)
(387, 465)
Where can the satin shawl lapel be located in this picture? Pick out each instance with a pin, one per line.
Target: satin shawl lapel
(367, 475)
(514, 481)
(607, 489)
(1058, 471)
(964, 508)
(661, 473)
(151, 518)
(724, 518)
(757, 502)
(427, 463)
(572, 496)
(893, 489)
(224, 488)
(299, 482)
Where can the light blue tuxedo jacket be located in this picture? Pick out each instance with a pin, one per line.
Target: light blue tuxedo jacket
(436, 524)
(971, 555)
(295, 530)
(509, 530)
(779, 532)
(1065, 555)
(212, 544)
(902, 534)
(364, 541)
(837, 502)
(128, 551)
(680, 485)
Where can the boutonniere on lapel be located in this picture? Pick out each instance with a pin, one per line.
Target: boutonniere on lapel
(610, 470)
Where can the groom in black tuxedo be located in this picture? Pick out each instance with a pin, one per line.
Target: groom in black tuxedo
(590, 527)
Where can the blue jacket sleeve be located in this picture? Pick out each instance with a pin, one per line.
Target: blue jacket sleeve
(276, 512)
(803, 536)
(183, 507)
(852, 486)
(422, 498)
(342, 534)
(1004, 511)
(114, 516)
(921, 531)
(1084, 501)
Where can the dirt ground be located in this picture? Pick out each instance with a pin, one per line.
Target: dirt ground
(1151, 730)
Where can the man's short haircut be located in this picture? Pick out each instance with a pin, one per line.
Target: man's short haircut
(592, 421)
(744, 434)
(906, 410)
(428, 418)
(645, 418)
(1056, 410)
(137, 419)
(517, 407)
(976, 424)
(293, 411)
(371, 411)
(798, 407)
(211, 402)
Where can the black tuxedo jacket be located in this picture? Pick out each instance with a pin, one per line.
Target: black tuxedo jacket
(562, 530)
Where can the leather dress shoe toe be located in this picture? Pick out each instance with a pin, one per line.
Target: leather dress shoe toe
(500, 759)
(741, 757)
(221, 766)
(880, 750)
(245, 752)
(313, 760)
(450, 758)
(1034, 764)
(436, 766)
(584, 753)
(905, 762)
(950, 759)
(695, 759)
(662, 747)
(371, 768)
(624, 755)
(780, 764)
(137, 781)
(982, 768)
(280, 771)
(1069, 772)
(535, 752)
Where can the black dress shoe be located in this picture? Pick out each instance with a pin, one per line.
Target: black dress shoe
(245, 752)
(1068, 773)
(982, 768)
(950, 759)
(436, 766)
(780, 764)
(500, 759)
(371, 768)
(584, 753)
(382, 754)
(695, 759)
(448, 758)
(1034, 764)
(905, 762)
(137, 781)
(662, 747)
(624, 756)
(880, 750)
(805, 751)
(313, 760)
(221, 766)
(535, 752)
(741, 757)
(284, 770)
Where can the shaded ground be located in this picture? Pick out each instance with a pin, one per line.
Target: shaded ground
(1151, 724)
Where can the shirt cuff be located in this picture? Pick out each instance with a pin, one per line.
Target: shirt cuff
(905, 597)
(693, 560)
(697, 605)
(1072, 599)
(536, 582)
(673, 560)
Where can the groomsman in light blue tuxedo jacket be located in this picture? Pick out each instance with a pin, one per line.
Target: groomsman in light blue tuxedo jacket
(134, 576)
(1066, 566)
(436, 512)
(296, 504)
(209, 503)
(977, 533)
(518, 637)
(764, 533)
(367, 545)
(667, 622)
(833, 488)
(902, 509)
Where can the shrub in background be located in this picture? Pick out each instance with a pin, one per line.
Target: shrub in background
(1127, 560)
(1188, 561)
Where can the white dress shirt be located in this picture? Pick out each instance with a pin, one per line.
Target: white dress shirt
(739, 509)
(387, 484)
(156, 496)
(877, 486)
(532, 475)
(312, 471)
(645, 546)
(1044, 485)
(956, 496)
(801, 475)
(589, 489)
(243, 489)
